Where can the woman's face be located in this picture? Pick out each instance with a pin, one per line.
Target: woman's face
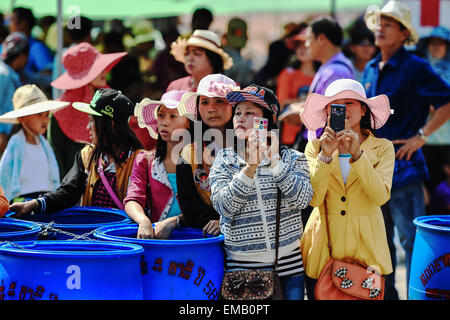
(301, 52)
(36, 123)
(91, 128)
(243, 118)
(437, 48)
(353, 113)
(363, 52)
(100, 81)
(215, 112)
(168, 121)
(196, 62)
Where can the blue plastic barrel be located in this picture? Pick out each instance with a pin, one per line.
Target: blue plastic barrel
(430, 263)
(14, 230)
(70, 270)
(75, 220)
(187, 266)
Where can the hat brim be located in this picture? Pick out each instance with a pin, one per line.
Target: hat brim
(293, 110)
(235, 97)
(178, 49)
(314, 115)
(86, 108)
(43, 106)
(102, 62)
(146, 114)
(370, 19)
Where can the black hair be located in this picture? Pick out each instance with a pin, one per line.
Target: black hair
(84, 30)
(27, 15)
(366, 119)
(161, 149)
(215, 60)
(330, 29)
(201, 19)
(113, 138)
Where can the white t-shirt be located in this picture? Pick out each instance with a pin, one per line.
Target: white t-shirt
(35, 171)
(344, 161)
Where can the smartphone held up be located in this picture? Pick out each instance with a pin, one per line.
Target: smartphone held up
(260, 126)
(337, 117)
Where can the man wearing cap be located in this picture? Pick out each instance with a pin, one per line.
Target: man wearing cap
(234, 40)
(412, 86)
(14, 59)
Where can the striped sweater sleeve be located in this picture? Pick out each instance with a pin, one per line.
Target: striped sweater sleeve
(228, 192)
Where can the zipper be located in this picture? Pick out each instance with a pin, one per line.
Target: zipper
(263, 213)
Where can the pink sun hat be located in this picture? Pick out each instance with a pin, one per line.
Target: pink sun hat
(146, 111)
(314, 115)
(84, 63)
(212, 85)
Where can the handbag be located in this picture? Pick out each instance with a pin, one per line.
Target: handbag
(116, 200)
(255, 284)
(347, 278)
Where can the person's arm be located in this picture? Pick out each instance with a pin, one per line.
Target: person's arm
(437, 119)
(4, 203)
(136, 198)
(67, 194)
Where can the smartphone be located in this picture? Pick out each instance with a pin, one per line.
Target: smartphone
(337, 118)
(260, 125)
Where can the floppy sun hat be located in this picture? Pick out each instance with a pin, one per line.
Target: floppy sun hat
(205, 39)
(257, 94)
(212, 85)
(84, 63)
(146, 111)
(28, 100)
(395, 10)
(314, 115)
(108, 103)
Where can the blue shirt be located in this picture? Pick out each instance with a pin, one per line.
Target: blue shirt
(175, 208)
(412, 87)
(9, 82)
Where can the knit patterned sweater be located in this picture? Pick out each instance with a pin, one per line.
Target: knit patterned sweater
(247, 207)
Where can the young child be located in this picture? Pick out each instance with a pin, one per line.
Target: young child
(153, 184)
(28, 167)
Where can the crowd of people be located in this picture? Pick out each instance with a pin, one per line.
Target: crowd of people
(162, 126)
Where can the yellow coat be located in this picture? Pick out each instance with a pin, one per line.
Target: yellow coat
(354, 210)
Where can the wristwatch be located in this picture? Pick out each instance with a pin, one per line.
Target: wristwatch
(422, 135)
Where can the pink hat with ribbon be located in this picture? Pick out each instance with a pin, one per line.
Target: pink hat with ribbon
(314, 115)
(146, 111)
(84, 63)
(213, 85)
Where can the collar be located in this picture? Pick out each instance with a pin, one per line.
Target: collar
(393, 61)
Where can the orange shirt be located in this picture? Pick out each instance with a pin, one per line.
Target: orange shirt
(289, 82)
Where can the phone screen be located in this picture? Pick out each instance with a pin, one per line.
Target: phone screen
(337, 118)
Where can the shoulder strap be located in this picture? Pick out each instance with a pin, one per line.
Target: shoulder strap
(277, 230)
(116, 200)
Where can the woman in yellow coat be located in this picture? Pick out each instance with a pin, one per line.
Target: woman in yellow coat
(351, 174)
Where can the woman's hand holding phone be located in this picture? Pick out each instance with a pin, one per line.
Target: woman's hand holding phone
(328, 141)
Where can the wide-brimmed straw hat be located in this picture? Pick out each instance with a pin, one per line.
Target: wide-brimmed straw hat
(205, 39)
(212, 85)
(28, 100)
(146, 111)
(395, 10)
(314, 115)
(84, 63)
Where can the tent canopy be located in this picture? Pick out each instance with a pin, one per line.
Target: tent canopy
(101, 9)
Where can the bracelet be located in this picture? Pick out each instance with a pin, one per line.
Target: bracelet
(325, 159)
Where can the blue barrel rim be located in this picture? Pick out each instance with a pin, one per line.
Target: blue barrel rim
(72, 226)
(100, 233)
(32, 228)
(422, 222)
(128, 249)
